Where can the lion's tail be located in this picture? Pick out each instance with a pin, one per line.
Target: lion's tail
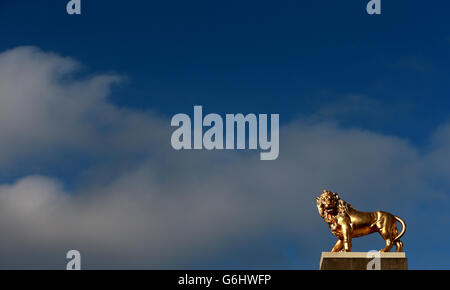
(403, 228)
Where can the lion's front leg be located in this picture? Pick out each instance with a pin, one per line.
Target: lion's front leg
(347, 234)
(338, 246)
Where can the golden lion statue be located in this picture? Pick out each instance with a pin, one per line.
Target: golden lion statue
(346, 223)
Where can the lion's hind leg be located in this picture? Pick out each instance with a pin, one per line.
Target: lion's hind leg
(388, 247)
(398, 246)
(388, 231)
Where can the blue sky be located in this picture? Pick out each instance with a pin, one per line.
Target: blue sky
(252, 55)
(329, 70)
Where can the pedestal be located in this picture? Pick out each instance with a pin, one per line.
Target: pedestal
(361, 260)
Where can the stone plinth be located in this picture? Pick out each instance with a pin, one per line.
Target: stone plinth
(360, 261)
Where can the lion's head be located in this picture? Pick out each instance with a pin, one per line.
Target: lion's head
(330, 202)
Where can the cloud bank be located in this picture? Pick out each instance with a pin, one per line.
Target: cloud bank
(135, 202)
